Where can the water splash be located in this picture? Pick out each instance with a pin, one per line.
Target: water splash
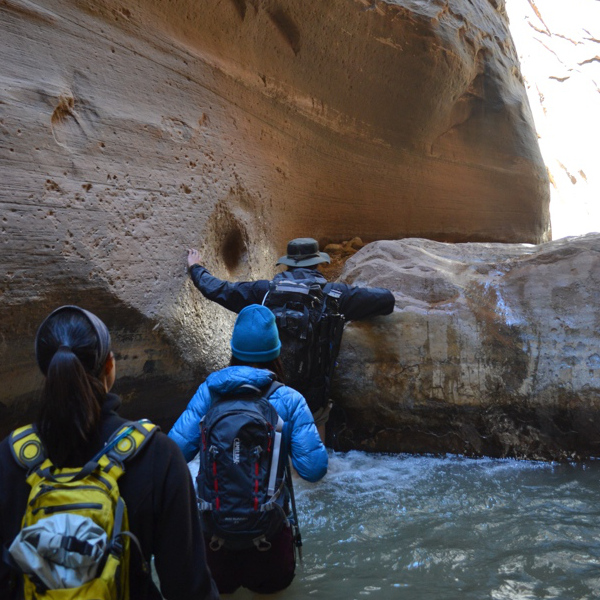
(429, 528)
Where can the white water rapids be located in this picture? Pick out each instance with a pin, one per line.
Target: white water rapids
(425, 528)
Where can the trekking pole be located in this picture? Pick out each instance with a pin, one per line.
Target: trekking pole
(297, 535)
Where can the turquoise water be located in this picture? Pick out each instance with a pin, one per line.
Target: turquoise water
(428, 528)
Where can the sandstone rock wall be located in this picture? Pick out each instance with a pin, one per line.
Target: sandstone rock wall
(130, 131)
(493, 349)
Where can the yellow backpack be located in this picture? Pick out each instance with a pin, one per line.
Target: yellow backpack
(74, 542)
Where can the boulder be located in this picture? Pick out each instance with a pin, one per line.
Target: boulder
(493, 349)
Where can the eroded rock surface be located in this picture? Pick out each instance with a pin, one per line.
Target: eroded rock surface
(493, 349)
(131, 131)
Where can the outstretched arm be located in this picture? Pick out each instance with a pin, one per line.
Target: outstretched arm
(232, 296)
(358, 303)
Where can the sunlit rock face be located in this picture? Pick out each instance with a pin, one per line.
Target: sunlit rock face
(493, 349)
(131, 131)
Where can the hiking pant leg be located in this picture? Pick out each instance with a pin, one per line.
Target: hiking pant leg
(225, 567)
(273, 570)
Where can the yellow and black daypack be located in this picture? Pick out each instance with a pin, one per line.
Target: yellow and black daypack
(74, 541)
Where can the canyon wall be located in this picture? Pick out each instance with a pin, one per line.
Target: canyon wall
(131, 131)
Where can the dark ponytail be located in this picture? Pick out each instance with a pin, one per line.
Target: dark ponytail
(72, 346)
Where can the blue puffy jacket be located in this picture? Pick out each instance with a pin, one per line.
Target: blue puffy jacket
(309, 456)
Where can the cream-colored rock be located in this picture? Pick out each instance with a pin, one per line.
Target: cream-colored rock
(130, 131)
(492, 349)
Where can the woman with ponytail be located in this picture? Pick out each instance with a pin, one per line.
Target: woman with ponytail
(78, 414)
(72, 348)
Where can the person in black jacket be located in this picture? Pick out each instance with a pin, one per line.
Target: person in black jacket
(302, 260)
(78, 415)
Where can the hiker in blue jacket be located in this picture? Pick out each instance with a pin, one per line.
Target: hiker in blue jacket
(302, 260)
(255, 348)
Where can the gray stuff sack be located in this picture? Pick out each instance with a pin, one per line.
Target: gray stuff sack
(63, 551)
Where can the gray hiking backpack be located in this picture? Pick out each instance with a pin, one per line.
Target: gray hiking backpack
(241, 481)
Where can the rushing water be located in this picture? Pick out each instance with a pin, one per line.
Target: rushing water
(380, 526)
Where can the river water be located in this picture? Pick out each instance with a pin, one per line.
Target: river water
(427, 528)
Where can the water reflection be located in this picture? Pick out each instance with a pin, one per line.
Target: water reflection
(447, 528)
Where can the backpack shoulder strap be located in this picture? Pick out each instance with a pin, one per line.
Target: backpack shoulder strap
(127, 441)
(27, 448)
(275, 385)
(329, 290)
(277, 443)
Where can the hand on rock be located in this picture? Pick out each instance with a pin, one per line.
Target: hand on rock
(193, 257)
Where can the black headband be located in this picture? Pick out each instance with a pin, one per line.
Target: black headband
(99, 327)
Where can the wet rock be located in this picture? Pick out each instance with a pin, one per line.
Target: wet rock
(493, 349)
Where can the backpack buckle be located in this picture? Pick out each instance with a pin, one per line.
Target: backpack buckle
(216, 543)
(72, 544)
(116, 546)
(262, 544)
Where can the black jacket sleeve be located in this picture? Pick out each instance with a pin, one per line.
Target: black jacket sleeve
(178, 540)
(358, 303)
(232, 296)
(13, 500)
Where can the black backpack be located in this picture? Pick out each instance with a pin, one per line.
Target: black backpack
(241, 482)
(310, 329)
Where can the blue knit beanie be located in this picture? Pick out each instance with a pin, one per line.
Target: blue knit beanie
(255, 337)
